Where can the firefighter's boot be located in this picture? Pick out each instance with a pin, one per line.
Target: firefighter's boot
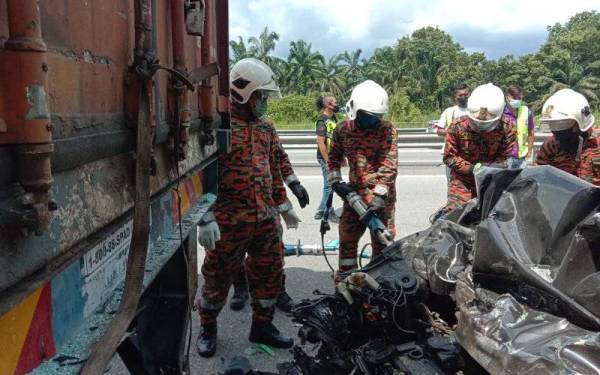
(268, 334)
(206, 344)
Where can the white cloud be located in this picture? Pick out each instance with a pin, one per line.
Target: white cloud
(499, 15)
(335, 25)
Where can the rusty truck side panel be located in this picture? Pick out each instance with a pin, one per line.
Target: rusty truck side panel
(60, 282)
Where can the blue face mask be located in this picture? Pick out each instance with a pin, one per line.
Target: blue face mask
(515, 103)
(567, 139)
(366, 121)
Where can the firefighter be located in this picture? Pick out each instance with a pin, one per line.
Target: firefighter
(481, 138)
(240, 286)
(573, 147)
(370, 145)
(244, 220)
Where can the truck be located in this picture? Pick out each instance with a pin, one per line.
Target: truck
(112, 116)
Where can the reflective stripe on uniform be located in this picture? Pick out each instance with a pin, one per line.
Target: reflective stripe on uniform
(265, 303)
(350, 262)
(334, 176)
(330, 126)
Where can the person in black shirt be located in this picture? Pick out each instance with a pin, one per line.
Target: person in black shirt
(325, 126)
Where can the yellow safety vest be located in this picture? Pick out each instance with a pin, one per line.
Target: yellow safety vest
(523, 130)
(330, 126)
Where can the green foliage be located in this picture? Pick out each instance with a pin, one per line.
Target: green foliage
(419, 70)
(293, 109)
(402, 109)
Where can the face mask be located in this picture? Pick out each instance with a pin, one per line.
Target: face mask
(335, 108)
(462, 102)
(567, 140)
(366, 120)
(515, 103)
(259, 109)
(482, 126)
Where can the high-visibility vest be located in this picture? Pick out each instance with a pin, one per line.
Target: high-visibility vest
(330, 126)
(523, 130)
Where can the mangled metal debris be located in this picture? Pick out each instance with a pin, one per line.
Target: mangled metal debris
(507, 284)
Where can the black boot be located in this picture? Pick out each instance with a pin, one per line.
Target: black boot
(240, 292)
(284, 302)
(206, 344)
(267, 333)
(239, 298)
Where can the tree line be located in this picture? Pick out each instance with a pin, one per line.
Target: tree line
(420, 69)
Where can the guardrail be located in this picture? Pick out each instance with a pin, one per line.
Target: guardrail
(424, 140)
(311, 131)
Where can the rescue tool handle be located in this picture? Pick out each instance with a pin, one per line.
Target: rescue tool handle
(369, 218)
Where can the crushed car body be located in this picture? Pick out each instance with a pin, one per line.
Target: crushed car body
(506, 284)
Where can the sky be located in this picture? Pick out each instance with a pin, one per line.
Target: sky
(494, 27)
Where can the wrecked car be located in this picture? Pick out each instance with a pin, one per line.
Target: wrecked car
(506, 284)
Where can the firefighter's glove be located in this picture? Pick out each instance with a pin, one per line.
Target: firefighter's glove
(300, 193)
(342, 189)
(377, 205)
(208, 232)
(291, 219)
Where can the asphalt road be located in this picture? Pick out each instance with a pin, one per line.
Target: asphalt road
(420, 190)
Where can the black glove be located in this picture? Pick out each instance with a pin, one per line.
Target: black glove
(377, 204)
(342, 189)
(300, 193)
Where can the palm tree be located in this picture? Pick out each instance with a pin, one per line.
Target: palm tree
(352, 67)
(390, 67)
(283, 75)
(262, 46)
(306, 66)
(333, 79)
(572, 75)
(239, 50)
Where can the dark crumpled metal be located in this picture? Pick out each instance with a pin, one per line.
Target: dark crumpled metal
(437, 254)
(539, 241)
(532, 236)
(512, 338)
(521, 264)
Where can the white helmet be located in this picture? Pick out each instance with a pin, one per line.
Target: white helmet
(249, 75)
(486, 105)
(564, 107)
(369, 97)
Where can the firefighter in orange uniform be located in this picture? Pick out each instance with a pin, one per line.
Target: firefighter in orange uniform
(479, 139)
(370, 145)
(244, 222)
(573, 147)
